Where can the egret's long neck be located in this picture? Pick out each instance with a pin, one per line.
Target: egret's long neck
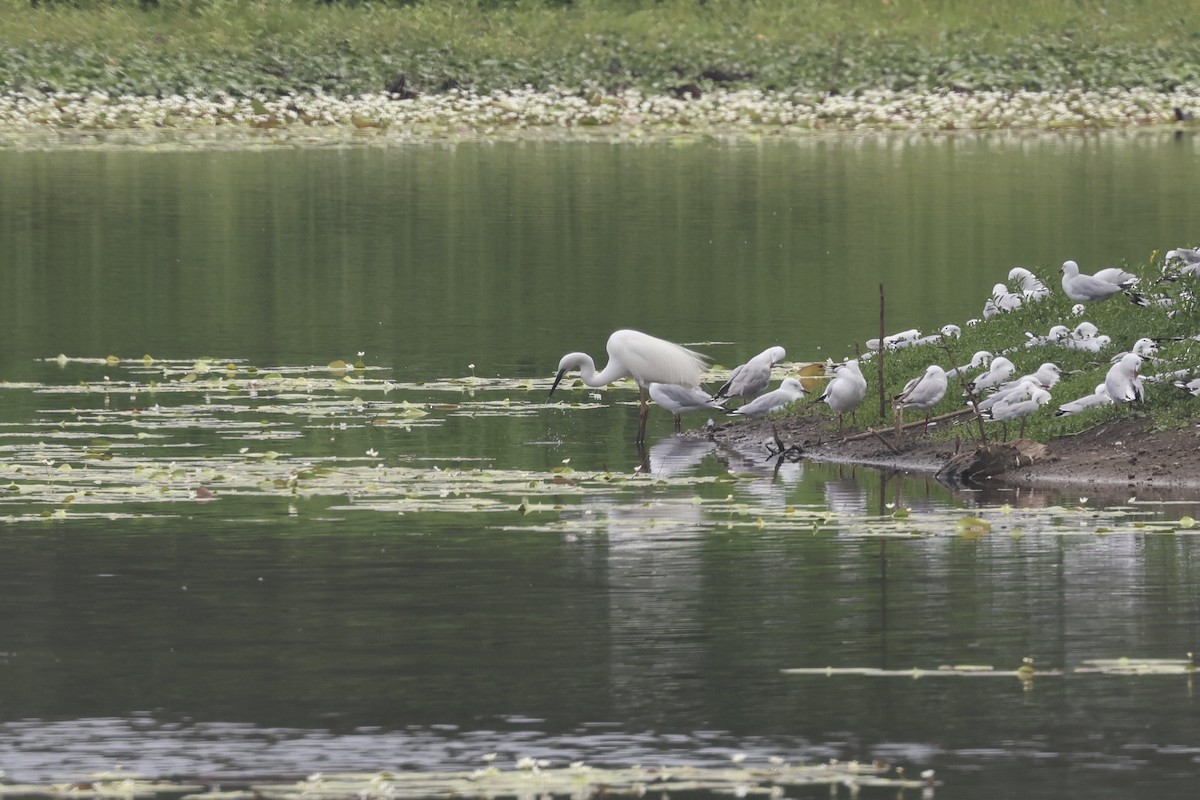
(610, 373)
(587, 368)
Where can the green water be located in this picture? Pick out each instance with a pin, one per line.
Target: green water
(374, 620)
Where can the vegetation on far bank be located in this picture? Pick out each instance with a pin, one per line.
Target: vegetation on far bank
(242, 47)
(1172, 320)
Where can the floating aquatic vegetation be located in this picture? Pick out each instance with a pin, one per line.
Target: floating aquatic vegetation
(109, 784)
(155, 435)
(578, 780)
(1139, 666)
(1026, 672)
(530, 779)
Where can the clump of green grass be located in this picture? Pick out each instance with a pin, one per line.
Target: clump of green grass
(296, 46)
(1171, 320)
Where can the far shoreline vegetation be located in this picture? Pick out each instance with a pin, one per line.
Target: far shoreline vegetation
(352, 47)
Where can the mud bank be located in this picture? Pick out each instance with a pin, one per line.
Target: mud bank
(1118, 455)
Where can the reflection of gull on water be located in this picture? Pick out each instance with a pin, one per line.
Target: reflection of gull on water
(677, 455)
(846, 495)
(770, 478)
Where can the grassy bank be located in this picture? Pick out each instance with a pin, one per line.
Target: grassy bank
(242, 47)
(1172, 318)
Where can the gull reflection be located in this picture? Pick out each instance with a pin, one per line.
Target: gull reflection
(678, 455)
(771, 476)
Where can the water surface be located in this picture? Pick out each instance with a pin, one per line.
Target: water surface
(272, 633)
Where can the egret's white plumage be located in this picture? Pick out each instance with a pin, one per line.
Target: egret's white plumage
(1094, 400)
(1123, 381)
(681, 400)
(644, 358)
(788, 392)
(749, 379)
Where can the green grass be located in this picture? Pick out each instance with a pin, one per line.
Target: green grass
(243, 46)
(1166, 406)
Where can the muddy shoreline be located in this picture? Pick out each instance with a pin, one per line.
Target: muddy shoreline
(1122, 456)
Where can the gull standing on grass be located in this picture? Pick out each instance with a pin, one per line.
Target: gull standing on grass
(981, 359)
(1046, 375)
(644, 358)
(923, 392)
(1010, 392)
(998, 371)
(845, 391)
(681, 400)
(1083, 288)
(1018, 409)
(1094, 400)
(1123, 381)
(788, 392)
(749, 379)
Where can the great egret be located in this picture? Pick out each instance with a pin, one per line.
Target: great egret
(644, 358)
(788, 392)
(681, 399)
(749, 379)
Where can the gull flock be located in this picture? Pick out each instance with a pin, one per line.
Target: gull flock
(990, 383)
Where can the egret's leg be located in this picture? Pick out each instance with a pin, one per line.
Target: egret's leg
(677, 423)
(643, 413)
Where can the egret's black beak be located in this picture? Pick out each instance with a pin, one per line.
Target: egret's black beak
(557, 380)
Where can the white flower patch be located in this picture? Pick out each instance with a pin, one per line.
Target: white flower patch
(557, 112)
